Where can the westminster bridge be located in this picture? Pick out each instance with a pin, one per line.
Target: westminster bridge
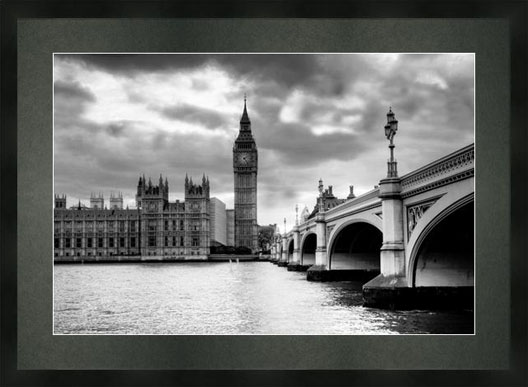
(410, 240)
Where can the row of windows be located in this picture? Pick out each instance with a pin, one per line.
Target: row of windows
(193, 226)
(152, 240)
(100, 225)
(91, 242)
(152, 226)
(100, 254)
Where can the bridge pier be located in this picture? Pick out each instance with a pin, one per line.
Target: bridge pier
(319, 271)
(275, 256)
(283, 261)
(430, 297)
(385, 289)
(295, 264)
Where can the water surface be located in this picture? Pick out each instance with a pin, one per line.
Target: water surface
(224, 298)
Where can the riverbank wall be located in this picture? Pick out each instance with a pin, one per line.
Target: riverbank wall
(151, 258)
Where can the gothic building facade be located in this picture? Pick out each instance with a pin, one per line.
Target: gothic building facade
(158, 229)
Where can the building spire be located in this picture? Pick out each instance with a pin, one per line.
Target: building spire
(245, 117)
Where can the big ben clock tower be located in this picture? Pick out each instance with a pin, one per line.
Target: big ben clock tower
(245, 166)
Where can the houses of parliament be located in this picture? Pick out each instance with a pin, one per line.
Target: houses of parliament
(158, 229)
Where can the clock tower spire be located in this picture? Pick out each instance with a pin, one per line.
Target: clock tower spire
(245, 167)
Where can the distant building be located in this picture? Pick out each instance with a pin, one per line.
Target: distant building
(218, 221)
(157, 229)
(328, 199)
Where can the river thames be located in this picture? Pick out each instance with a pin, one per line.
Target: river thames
(225, 298)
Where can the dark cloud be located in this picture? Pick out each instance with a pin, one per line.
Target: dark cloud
(185, 112)
(131, 64)
(116, 129)
(296, 145)
(70, 102)
(309, 72)
(432, 96)
(72, 90)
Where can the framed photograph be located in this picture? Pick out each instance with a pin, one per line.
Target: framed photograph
(117, 114)
(279, 194)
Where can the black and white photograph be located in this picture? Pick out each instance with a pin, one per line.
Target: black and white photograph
(263, 193)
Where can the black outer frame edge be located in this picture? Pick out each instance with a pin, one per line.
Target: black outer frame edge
(519, 191)
(517, 14)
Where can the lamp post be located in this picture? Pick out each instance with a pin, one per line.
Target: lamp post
(294, 265)
(320, 195)
(392, 251)
(284, 260)
(390, 131)
(296, 214)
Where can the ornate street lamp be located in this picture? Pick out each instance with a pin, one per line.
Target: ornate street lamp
(390, 131)
(320, 195)
(284, 226)
(296, 214)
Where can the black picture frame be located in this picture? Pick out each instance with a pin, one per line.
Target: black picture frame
(514, 13)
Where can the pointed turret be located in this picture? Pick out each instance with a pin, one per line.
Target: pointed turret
(245, 118)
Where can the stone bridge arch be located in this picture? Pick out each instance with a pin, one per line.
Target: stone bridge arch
(440, 249)
(289, 252)
(355, 244)
(307, 248)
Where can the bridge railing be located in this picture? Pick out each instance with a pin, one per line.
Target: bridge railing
(368, 196)
(455, 162)
(358, 200)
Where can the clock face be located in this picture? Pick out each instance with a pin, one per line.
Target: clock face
(244, 158)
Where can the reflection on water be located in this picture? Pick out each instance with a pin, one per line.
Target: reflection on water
(224, 298)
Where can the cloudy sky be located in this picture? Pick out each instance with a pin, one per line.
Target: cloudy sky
(313, 116)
